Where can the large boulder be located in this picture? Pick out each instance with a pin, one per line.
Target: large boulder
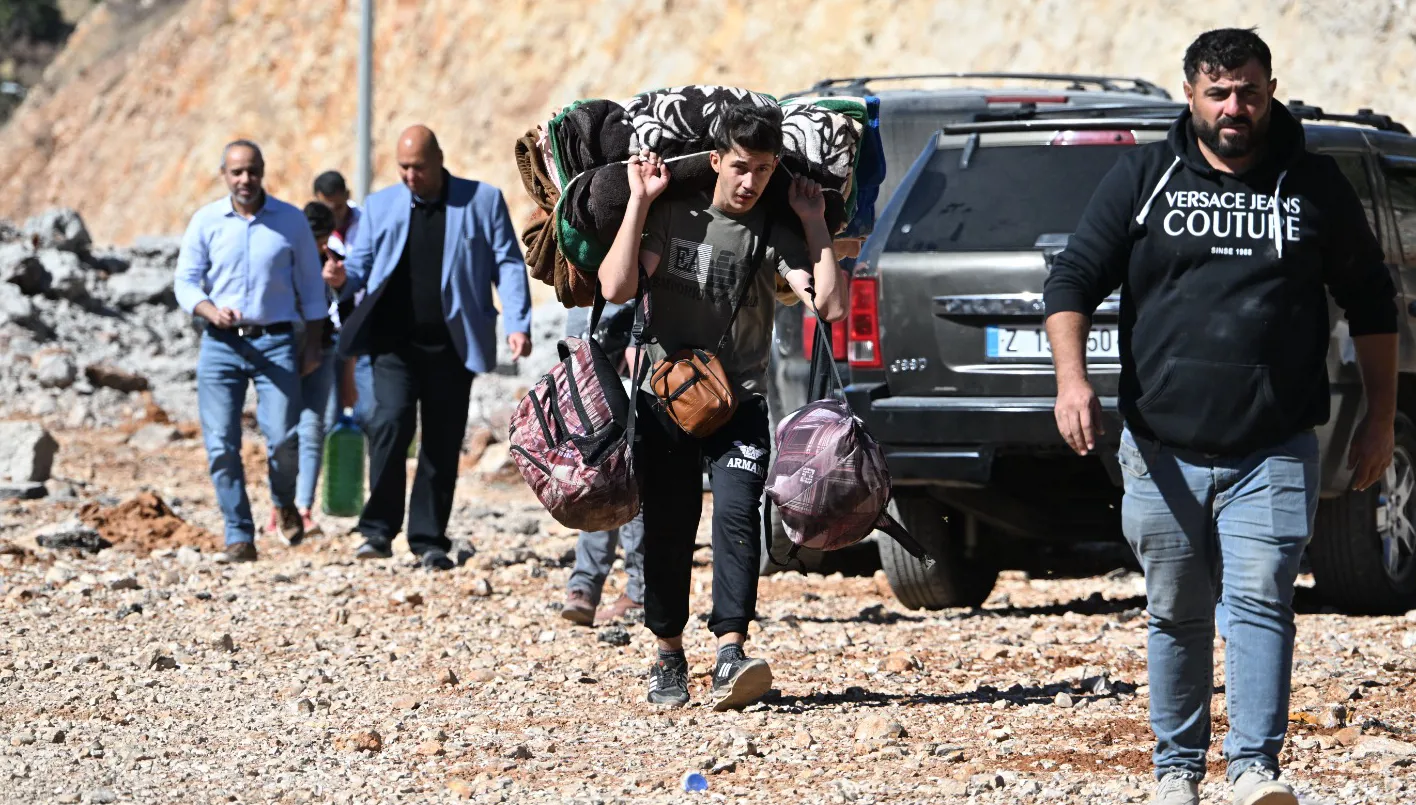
(55, 370)
(17, 308)
(68, 277)
(162, 249)
(59, 228)
(104, 376)
(29, 452)
(142, 284)
(20, 267)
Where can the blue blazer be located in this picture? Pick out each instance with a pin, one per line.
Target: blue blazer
(480, 250)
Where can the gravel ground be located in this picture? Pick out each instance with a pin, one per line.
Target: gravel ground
(309, 678)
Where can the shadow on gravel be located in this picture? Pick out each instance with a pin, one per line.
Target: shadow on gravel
(982, 695)
(1094, 604)
(875, 614)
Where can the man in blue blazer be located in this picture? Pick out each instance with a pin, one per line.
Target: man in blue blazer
(428, 252)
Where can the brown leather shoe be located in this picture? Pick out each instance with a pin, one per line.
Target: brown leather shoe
(578, 609)
(621, 607)
(237, 552)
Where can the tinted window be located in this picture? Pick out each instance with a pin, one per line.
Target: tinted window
(1402, 186)
(1004, 199)
(1356, 173)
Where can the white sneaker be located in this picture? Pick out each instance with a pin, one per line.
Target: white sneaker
(1260, 786)
(1176, 788)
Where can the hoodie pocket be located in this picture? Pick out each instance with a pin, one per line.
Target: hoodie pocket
(1223, 408)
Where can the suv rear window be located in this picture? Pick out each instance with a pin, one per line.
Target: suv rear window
(1004, 199)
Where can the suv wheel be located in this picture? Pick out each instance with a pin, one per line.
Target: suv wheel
(955, 579)
(1363, 552)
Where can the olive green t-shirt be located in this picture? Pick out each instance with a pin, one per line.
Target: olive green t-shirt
(703, 257)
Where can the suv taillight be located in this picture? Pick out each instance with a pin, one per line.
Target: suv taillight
(808, 336)
(864, 343)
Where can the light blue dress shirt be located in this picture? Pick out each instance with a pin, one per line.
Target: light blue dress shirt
(267, 268)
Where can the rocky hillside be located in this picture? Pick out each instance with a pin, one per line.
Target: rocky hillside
(130, 134)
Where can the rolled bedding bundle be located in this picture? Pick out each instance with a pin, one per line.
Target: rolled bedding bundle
(575, 162)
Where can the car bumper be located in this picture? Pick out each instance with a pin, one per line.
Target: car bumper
(944, 440)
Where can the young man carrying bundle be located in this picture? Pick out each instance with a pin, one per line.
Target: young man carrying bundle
(711, 266)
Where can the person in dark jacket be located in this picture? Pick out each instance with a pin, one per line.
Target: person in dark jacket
(429, 251)
(1223, 240)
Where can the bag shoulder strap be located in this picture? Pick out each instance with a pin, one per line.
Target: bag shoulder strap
(758, 255)
(822, 353)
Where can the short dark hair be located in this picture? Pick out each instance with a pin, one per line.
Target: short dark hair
(321, 218)
(1226, 49)
(752, 127)
(260, 158)
(330, 183)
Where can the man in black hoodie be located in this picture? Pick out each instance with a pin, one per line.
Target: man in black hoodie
(1223, 240)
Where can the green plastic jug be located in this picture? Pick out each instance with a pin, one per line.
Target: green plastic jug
(344, 468)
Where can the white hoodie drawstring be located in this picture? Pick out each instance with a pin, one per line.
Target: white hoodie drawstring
(1145, 210)
(1273, 215)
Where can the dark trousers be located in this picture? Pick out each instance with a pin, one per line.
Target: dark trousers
(670, 465)
(405, 380)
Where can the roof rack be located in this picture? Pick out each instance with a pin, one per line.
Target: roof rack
(1364, 117)
(1075, 82)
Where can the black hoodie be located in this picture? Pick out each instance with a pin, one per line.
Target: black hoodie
(1224, 319)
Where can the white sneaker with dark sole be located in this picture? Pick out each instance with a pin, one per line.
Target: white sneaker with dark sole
(1260, 786)
(740, 682)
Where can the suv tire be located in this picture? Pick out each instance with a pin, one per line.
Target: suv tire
(955, 579)
(1363, 553)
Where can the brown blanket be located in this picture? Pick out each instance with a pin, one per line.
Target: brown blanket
(532, 168)
(545, 263)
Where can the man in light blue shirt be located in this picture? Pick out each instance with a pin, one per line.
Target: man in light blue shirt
(250, 267)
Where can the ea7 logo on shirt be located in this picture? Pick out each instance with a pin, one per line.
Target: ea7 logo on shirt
(749, 457)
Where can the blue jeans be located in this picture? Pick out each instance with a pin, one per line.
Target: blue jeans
(595, 557)
(317, 410)
(364, 387)
(226, 365)
(1231, 530)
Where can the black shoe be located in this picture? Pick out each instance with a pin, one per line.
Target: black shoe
(434, 559)
(668, 683)
(739, 680)
(237, 552)
(292, 526)
(371, 550)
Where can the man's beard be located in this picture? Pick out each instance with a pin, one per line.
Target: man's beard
(1239, 144)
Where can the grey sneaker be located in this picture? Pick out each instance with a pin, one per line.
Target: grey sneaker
(1260, 786)
(1177, 788)
(739, 680)
(668, 683)
(236, 552)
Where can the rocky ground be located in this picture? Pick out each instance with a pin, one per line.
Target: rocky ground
(144, 672)
(92, 336)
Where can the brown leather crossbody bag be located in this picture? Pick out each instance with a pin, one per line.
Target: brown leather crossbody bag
(691, 384)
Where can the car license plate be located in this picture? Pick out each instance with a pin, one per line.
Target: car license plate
(1030, 343)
